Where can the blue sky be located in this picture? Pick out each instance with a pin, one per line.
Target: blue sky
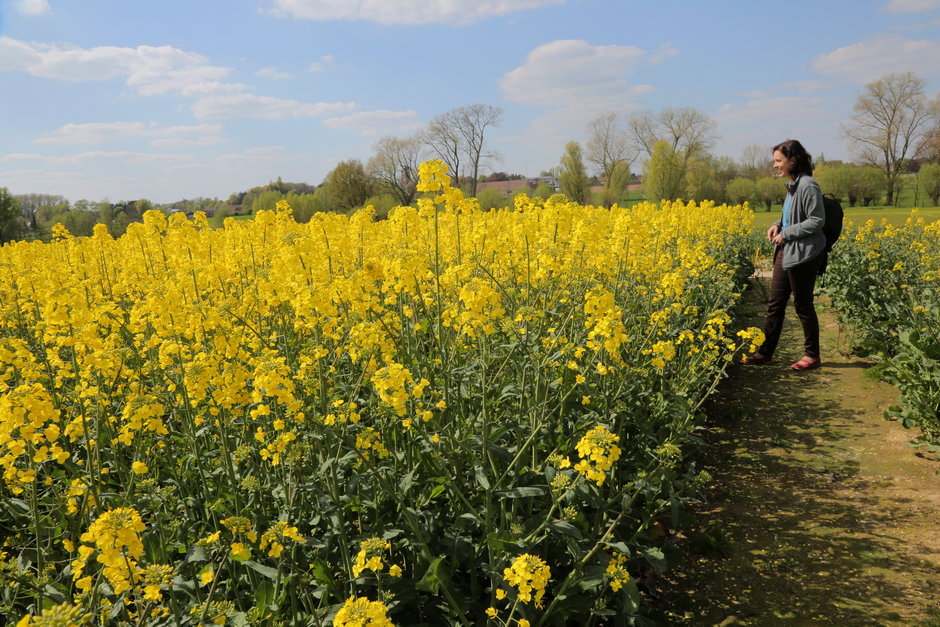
(119, 100)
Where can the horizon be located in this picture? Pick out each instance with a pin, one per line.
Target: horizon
(113, 101)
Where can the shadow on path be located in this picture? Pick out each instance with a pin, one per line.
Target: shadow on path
(818, 512)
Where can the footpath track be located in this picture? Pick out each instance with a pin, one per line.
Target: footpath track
(819, 512)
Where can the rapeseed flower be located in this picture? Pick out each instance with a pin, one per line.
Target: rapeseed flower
(361, 612)
(598, 450)
(529, 575)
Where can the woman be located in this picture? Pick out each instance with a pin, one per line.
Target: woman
(799, 250)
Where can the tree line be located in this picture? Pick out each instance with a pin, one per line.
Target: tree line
(893, 133)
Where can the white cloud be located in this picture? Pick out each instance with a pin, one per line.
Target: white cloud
(182, 142)
(33, 7)
(242, 105)
(250, 155)
(912, 6)
(569, 71)
(663, 51)
(769, 111)
(126, 157)
(99, 132)
(273, 73)
(766, 121)
(807, 86)
(867, 61)
(404, 11)
(322, 64)
(150, 69)
(371, 123)
(159, 70)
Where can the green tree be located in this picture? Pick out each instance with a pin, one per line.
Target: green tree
(10, 226)
(868, 184)
(835, 179)
(491, 198)
(543, 191)
(930, 181)
(615, 185)
(572, 178)
(665, 173)
(31, 204)
(348, 186)
(741, 190)
(266, 200)
(707, 178)
(770, 190)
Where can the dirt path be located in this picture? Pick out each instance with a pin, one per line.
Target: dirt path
(819, 512)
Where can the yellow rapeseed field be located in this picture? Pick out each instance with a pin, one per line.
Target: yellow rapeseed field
(443, 416)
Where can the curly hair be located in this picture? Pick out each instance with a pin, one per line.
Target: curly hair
(802, 161)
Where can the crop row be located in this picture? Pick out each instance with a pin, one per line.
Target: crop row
(885, 283)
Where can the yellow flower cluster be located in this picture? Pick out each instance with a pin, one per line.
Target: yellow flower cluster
(369, 441)
(115, 535)
(529, 575)
(616, 571)
(370, 555)
(272, 540)
(361, 612)
(598, 450)
(61, 615)
(29, 434)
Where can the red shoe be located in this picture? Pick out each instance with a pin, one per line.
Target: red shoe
(807, 363)
(757, 360)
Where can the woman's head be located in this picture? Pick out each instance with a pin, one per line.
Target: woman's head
(795, 160)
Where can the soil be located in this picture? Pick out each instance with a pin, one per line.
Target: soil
(819, 511)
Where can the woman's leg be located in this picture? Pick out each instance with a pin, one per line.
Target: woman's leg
(780, 287)
(802, 283)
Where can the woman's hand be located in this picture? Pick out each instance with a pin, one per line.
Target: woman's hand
(773, 232)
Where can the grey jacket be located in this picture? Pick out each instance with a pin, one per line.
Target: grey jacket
(804, 239)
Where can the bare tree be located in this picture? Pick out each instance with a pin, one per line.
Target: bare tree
(609, 149)
(395, 166)
(608, 144)
(889, 125)
(472, 122)
(444, 139)
(458, 137)
(756, 161)
(681, 137)
(688, 131)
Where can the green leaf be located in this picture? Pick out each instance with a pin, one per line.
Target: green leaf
(620, 546)
(320, 572)
(197, 554)
(656, 559)
(431, 581)
(264, 594)
(17, 506)
(565, 528)
(267, 571)
(481, 477)
(522, 492)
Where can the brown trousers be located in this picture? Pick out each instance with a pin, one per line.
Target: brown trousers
(799, 281)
